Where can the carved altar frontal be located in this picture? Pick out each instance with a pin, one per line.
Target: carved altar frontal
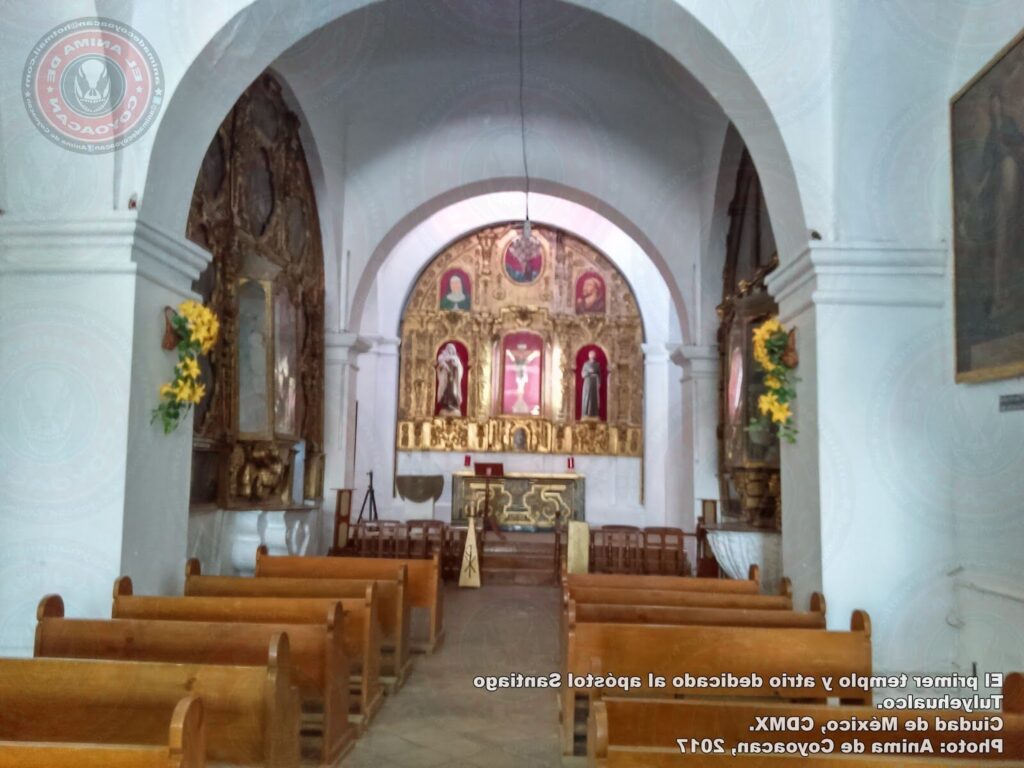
(520, 501)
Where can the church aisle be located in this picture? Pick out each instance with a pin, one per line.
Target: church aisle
(439, 719)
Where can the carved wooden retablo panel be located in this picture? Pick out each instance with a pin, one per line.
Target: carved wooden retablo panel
(519, 502)
(255, 210)
(516, 345)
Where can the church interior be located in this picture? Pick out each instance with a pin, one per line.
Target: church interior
(601, 383)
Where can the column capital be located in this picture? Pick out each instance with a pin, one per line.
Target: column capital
(344, 347)
(697, 362)
(113, 243)
(846, 273)
(655, 353)
(384, 346)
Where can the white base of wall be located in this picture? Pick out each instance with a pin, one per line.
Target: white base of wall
(225, 541)
(612, 483)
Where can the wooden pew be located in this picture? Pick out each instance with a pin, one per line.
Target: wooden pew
(251, 713)
(635, 650)
(631, 723)
(185, 748)
(319, 665)
(711, 609)
(726, 617)
(361, 627)
(750, 586)
(679, 598)
(424, 586)
(393, 605)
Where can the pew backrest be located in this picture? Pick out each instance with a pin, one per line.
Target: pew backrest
(251, 713)
(185, 748)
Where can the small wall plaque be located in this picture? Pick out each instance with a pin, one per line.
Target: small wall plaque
(1011, 403)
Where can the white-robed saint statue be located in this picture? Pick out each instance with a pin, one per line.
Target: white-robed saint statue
(591, 400)
(449, 381)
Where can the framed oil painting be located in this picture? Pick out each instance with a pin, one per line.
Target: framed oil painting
(987, 134)
(255, 362)
(522, 358)
(286, 366)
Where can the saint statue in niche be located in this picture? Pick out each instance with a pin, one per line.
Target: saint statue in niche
(591, 404)
(590, 294)
(455, 290)
(449, 381)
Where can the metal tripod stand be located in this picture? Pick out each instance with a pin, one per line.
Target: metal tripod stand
(369, 499)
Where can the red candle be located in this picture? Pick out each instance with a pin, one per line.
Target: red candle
(466, 462)
(571, 463)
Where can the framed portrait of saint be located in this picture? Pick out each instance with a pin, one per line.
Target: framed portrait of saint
(456, 291)
(255, 362)
(523, 260)
(590, 294)
(987, 134)
(286, 366)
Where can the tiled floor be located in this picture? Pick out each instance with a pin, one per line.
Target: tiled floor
(439, 719)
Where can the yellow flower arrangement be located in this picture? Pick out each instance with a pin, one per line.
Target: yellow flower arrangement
(197, 328)
(771, 351)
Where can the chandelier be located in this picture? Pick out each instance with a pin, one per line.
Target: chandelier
(525, 247)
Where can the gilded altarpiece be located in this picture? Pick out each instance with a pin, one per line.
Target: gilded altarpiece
(522, 318)
(254, 209)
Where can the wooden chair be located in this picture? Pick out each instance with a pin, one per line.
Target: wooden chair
(185, 748)
(639, 650)
(664, 553)
(425, 587)
(319, 665)
(424, 537)
(636, 723)
(251, 713)
(617, 549)
(392, 596)
(362, 634)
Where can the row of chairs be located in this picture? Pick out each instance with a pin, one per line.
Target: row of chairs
(411, 539)
(629, 549)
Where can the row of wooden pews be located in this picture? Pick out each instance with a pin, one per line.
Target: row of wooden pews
(726, 630)
(288, 665)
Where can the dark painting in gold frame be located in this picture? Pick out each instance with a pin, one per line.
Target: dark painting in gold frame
(987, 142)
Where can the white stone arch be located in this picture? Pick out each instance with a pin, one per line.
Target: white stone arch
(257, 34)
(479, 205)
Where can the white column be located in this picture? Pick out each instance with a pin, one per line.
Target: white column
(698, 471)
(867, 511)
(341, 351)
(378, 412)
(658, 431)
(89, 489)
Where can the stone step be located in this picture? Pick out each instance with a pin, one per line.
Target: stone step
(494, 544)
(517, 576)
(519, 560)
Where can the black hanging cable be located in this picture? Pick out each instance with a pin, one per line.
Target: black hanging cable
(522, 122)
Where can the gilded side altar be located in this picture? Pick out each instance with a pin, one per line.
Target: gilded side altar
(520, 501)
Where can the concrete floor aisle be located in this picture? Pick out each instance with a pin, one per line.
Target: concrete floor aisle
(439, 719)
